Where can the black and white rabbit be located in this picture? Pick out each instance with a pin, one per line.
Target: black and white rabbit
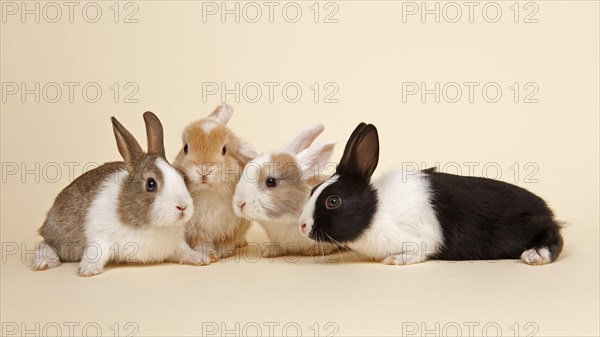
(409, 218)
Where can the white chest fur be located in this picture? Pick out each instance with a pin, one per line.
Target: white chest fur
(123, 243)
(405, 221)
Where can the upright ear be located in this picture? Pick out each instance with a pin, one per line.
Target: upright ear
(303, 139)
(128, 147)
(154, 132)
(362, 155)
(349, 146)
(222, 113)
(314, 160)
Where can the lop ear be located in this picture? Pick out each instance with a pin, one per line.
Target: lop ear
(314, 160)
(128, 147)
(154, 132)
(222, 113)
(245, 152)
(361, 155)
(303, 139)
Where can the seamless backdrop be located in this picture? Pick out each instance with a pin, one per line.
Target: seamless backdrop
(504, 89)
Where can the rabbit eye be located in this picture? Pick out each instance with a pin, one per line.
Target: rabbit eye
(271, 182)
(185, 149)
(224, 150)
(151, 185)
(333, 202)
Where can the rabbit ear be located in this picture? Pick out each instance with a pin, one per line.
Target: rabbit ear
(362, 152)
(154, 132)
(303, 139)
(349, 146)
(314, 160)
(245, 152)
(222, 113)
(129, 148)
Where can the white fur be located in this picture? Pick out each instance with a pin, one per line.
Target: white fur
(108, 239)
(174, 193)
(282, 231)
(223, 113)
(313, 161)
(210, 125)
(248, 193)
(45, 257)
(303, 139)
(404, 229)
(536, 257)
(307, 217)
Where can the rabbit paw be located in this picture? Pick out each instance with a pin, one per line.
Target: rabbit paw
(195, 258)
(536, 257)
(87, 269)
(45, 258)
(403, 259)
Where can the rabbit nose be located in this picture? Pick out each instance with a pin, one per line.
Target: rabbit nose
(303, 226)
(181, 208)
(206, 169)
(242, 205)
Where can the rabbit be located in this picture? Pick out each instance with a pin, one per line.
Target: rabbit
(131, 211)
(409, 218)
(274, 188)
(212, 159)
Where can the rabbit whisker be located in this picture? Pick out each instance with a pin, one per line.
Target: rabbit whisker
(321, 244)
(335, 245)
(343, 246)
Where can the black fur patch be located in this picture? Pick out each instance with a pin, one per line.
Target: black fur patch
(348, 222)
(485, 219)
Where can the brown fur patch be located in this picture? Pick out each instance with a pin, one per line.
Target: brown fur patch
(154, 134)
(290, 194)
(205, 139)
(63, 228)
(128, 146)
(134, 201)
(207, 147)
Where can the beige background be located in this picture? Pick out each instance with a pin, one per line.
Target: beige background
(170, 52)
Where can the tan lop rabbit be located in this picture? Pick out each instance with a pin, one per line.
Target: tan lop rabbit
(212, 159)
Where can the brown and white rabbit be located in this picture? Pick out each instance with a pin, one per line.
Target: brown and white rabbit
(131, 211)
(276, 185)
(212, 159)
